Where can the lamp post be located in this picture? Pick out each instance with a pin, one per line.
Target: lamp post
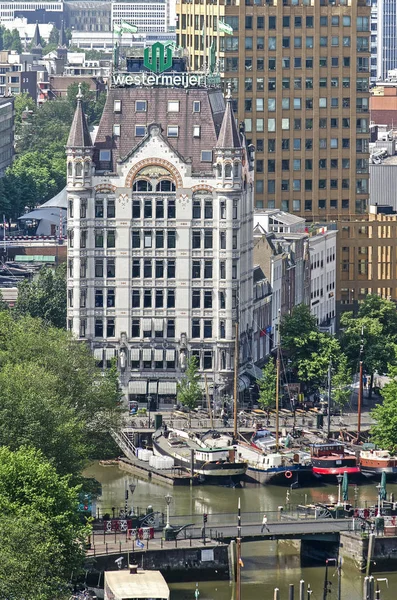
(149, 403)
(379, 487)
(132, 487)
(167, 529)
(339, 477)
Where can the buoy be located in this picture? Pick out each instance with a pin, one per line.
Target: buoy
(288, 474)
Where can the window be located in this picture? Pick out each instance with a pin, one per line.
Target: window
(98, 267)
(98, 235)
(116, 129)
(207, 328)
(172, 131)
(195, 328)
(196, 297)
(136, 209)
(208, 269)
(136, 238)
(159, 238)
(196, 269)
(159, 299)
(104, 155)
(140, 106)
(208, 212)
(147, 268)
(111, 238)
(196, 106)
(140, 130)
(83, 238)
(171, 238)
(208, 239)
(135, 300)
(98, 298)
(135, 328)
(196, 131)
(111, 298)
(111, 209)
(98, 327)
(173, 106)
(171, 269)
(206, 156)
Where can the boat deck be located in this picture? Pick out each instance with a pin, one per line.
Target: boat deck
(183, 449)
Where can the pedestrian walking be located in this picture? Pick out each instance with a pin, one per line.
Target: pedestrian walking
(264, 524)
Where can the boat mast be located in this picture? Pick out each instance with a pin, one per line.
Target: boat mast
(360, 387)
(236, 357)
(277, 393)
(329, 400)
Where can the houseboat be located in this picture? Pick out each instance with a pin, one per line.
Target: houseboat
(329, 460)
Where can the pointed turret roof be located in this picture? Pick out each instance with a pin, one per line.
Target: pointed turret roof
(62, 42)
(36, 40)
(228, 136)
(79, 136)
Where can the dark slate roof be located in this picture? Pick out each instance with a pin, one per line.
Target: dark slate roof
(79, 136)
(36, 41)
(229, 136)
(212, 107)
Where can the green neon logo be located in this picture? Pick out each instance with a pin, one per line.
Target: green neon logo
(157, 58)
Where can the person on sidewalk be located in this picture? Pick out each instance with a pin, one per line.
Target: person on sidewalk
(264, 524)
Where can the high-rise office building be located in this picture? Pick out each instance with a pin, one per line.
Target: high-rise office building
(160, 231)
(299, 71)
(383, 38)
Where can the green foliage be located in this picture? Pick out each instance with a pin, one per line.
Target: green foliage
(267, 386)
(188, 391)
(3, 303)
(341, 381)
(44, 296)
(52, 396)
(311, 351)
(384, 432)
(92, 106)
(10, 40)
(54, 36)
(41, 534)
(21, 102)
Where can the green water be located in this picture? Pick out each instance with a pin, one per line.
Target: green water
(266, 564)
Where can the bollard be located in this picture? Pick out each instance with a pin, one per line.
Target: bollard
(115, 536)
(106, 548)
(161, 542)
(176, 543)
(276, 594)
(371, 582)
(302, 590)
(120, 547)
(291, 591)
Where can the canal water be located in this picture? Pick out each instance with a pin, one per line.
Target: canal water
(265, 566)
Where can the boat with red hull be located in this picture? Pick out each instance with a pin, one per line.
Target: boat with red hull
(329, 460)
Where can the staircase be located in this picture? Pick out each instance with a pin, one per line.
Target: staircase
(125, 443)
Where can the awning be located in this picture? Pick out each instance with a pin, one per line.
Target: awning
(137, 387)
(110, 352)
(147, 354)
(134, 353)
(158, 355)
(158, 324)
(243, 383)
(146, 324)
(252, 371)
(170, 355)
(98, 353)
(152, 387)
(167, 387)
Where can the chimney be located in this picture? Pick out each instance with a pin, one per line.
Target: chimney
(133, 569)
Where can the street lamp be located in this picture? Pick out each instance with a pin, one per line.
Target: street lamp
(339, 477)
(167, 529)
(132, 487)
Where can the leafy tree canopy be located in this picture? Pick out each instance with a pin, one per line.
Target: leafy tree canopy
(189, 392)
(52, 396)
(44, 296)
(384, 432)
(41, 515)
(267, 386)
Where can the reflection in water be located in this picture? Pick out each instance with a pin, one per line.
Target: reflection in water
(266, 564)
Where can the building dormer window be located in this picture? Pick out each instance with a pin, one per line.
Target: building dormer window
(104, 155)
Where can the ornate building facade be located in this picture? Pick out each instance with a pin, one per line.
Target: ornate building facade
(160, 237)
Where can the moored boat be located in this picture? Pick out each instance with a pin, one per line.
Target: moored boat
(375, 462)
(213, 465)
(329, 460)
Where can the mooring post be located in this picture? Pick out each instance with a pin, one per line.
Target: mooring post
(302, 589)
(291, 591)
(276, 594)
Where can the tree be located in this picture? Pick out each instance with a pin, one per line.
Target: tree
(298, 333)
(188, 391)
(341, 382)
(384, 432)
(3, 304)
(92, 105)
(52, 396)
(267, 387)
(32, 491)
(44, 296)
(384, 310)
(54, 36)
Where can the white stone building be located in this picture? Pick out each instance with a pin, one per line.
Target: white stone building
(160, 237)
(149, 15)
(322, 248)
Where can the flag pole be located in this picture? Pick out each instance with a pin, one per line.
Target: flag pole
(238, 571)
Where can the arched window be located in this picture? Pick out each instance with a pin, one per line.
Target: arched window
(223, 360)
(79, 169)
(87, 165)
(219, 169)
(165, 185)
(70, 169)
(141, 185)
(228, 170)
(236, 170)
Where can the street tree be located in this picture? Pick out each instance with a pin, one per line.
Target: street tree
(299, 334)
(384, 432)
(32, 490)
(44, 296)
(188, 391)
(53, 397)
(267, 387)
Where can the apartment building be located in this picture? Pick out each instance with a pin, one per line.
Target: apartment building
(299, 71)
(160, 233)
(149, 15)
